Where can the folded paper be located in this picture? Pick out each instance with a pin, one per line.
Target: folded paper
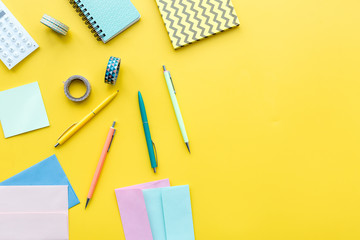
(22, 110)
(34, 212)
(46, 172)
(170, 214)
(177, 213)
(133, 212)
(155, 213)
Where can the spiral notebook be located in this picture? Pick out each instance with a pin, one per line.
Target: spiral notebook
(187, 21)
(106, 18)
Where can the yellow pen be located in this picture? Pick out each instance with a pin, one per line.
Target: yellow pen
(76, 126)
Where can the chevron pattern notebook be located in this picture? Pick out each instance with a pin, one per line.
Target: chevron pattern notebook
(188, 21)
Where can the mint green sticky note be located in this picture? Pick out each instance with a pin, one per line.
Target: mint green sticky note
(177, 213)
(154, 210)
(22, 110)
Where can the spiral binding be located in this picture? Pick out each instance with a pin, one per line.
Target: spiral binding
(89, 21)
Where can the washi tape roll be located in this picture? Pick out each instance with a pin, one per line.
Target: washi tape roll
(112, 70)
(68, 83)
(54, 24)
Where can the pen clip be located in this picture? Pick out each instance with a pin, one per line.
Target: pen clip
(111, 140)
(156, 157)
(67, 130)
(172, 82)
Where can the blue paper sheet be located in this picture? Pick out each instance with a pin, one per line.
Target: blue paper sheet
(170, 214)
(22, 110)
(46, 172)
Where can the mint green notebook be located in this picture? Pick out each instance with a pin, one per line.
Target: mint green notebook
(106, 18)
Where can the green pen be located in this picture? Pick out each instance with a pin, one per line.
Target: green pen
(172, 93)
(149, 142)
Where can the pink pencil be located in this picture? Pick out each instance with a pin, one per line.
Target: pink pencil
(104, 152)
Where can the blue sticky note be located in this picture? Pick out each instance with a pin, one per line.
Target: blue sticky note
(22, 110)
(154, 210)
(46, 172)
(169, 212)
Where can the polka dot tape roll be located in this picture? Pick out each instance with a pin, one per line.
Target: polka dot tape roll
(54, 24)
(112, 70)
(68, 83)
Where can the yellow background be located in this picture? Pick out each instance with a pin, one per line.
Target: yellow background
(272, 110)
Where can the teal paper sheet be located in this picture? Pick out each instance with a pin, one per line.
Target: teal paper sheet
(154, 209)
(22, 110)
(177, 213)
(170, 214)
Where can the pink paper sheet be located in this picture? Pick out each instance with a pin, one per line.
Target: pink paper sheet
(133, 212)
(34, 212)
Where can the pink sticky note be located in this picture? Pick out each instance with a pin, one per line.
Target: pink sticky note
(133, 212)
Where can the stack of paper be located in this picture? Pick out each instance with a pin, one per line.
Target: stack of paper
(156, 211)
(132, 209)
(34, 212)
(22, 110)
(46, 172)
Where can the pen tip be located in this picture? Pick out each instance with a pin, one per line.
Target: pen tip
(87, 202)
(164, 67)
(114, 124)
(154, 170)
(57, 144)
(188, 147)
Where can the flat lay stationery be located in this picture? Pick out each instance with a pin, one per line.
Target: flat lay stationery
(95, 14)
(104, 153)
(132, 208)
(76, 127)
(149, 142)
(250, 133)
(35, 203)
(187, 21)
(172, 92)
(22, 110)
(34, 212)
(46, 172)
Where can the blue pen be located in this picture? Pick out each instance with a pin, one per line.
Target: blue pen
(149, 142)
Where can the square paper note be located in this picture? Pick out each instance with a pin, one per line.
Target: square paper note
(22, 110)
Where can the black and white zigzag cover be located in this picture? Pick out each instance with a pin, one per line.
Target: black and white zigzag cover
(188, 21)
